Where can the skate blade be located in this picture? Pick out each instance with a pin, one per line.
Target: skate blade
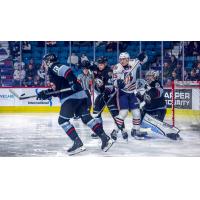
(142, 138)
(110, 143)
(95, 137)
(77, 151)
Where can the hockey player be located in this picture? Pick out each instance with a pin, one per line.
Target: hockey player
(105, 90)
(154, 99)
(155, 104)
(71, 101)
(124, 74)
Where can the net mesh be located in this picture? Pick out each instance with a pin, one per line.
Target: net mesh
(185, 104)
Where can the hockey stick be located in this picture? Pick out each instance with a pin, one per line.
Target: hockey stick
(112, 95)
(132, 68)
(23, 96)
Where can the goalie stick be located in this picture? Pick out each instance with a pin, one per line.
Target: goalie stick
(23, 96)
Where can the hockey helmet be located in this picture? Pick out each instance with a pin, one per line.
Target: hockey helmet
(50, 58)
(102, 60)
(124, 55)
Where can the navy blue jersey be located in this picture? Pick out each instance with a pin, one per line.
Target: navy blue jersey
(156, 94)
(102, 79)
(63, 77)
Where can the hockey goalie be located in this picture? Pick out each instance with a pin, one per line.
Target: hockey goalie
(153, 108)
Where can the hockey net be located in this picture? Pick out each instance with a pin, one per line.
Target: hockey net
(184, 98)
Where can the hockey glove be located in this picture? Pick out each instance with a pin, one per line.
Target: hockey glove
(44, 94)
(76, 87)
(120, 84)
(142, 57)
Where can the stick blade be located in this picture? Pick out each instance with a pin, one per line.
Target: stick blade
(14, 93)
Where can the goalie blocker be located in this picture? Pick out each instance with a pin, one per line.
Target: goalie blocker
(159, 128)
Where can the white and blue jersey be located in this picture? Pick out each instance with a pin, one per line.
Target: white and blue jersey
(125, 81)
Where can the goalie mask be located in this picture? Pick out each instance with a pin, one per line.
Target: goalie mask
(151, 75)
(124, 58)
(49, 59)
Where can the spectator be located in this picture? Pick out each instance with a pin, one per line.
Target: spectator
(167, 71)
(173, 61)
(174, 76)
(41, 73)
(123, 46)
(26, 47)
(198, 69)
(3, 53)
(19, 64)
(157, 64)
(73, 58)
(193, 49)
(18, 76)
(178, 70)
(111, 46)
(15, 51)
(32, 62)
(84, 57)
(37, 81)
(193, 76)
(30, 73)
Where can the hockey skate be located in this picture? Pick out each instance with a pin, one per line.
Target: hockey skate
(106, 142)
(94, 136)
(125, 135)
(138, 135)
(174, 136)
(113, 135)
(76, 148)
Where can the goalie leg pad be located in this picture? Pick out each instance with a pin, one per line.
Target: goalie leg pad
(158, 127)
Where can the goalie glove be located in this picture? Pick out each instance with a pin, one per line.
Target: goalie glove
(147, 98)
(140, 96)
(44, 94)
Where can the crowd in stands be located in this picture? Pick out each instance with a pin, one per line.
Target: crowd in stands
(30, 74)
(173, 66)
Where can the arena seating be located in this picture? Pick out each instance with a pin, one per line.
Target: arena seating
(62, 50)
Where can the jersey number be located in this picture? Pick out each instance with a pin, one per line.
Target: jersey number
(56, 69)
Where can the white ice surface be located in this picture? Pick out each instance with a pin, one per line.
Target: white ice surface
(40, 135)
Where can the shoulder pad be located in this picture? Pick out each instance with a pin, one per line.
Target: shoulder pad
(118, 68)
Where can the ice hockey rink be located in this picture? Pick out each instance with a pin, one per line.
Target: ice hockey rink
(38, 134)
